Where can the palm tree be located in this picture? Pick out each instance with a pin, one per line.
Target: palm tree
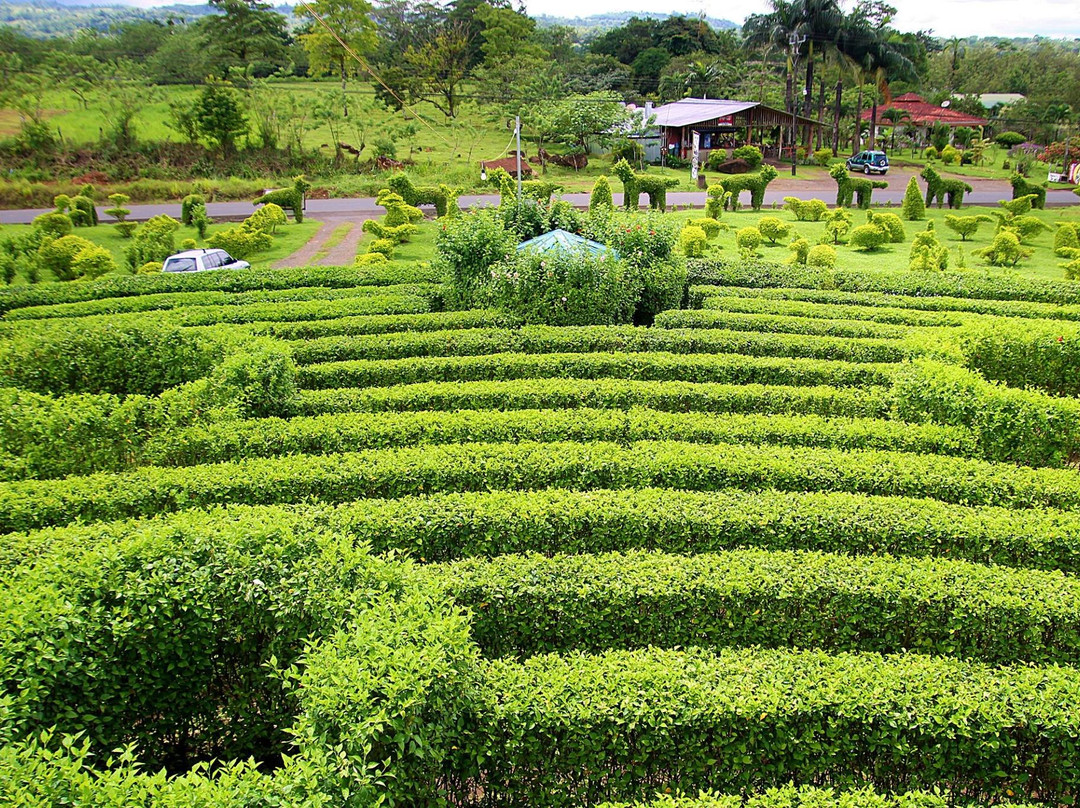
(895, 117)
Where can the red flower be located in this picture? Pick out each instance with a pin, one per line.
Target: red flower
(1061, 339)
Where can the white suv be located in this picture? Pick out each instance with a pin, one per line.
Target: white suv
(199, 260)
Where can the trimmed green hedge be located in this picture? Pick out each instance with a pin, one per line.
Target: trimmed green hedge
(324, 434)
(651, 366)
(540, 393)
(168, 639)
(386, 324)
(732, 321)
(525, 605)
(387, 300)
(175, 300)
(791, 796)
(1026, 354)
(122, 359)
(470, 467)
(47, 294)
(759, 301)
(628, 724)
(941, 304)
(726, 272)
(594, 339)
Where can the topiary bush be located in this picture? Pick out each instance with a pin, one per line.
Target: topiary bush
(370, 259)
(867, 238)
(1067, 237)
(468, 246)
(800, 249)
(837, 226)
(93, 262)
(58, 255)
(950, 155)
(748, 239)
(930, 153)
(711, 227)
(913, 208)
(154, 241)
(692, 241)
(54, 224)
(822, 256)
(890, 223)
(189, 244)
(822, 157)
(808, 210)
(266, 219)
(1005, 250)
(773, 229)
(188, 205)
(150, 268)
(751, 154)
(965, 226)
(1009, 139)
(601, 198)
(241, 241)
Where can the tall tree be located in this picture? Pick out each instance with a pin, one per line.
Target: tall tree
(245, 32)
(353, 29)
(439, 67)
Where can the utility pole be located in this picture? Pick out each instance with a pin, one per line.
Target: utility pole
(795, 42)
(517, 133)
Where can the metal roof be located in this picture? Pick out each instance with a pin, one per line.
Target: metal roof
(695, 110)
(566, 242)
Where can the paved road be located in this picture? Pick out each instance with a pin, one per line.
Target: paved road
(985, 193)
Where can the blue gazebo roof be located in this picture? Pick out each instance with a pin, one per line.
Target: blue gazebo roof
(567, 242)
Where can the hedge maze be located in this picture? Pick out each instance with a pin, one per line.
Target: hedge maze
(303, 538)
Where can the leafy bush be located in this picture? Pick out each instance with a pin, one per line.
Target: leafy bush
(56, 225)
(1009, 139)
(837, 225)
(692, 241)
(241, 241)
(640, 239)
(266, 219)
(468, 246)
(751, 154)
(931, 153)
(58, 255)
(965, 226)
(188, 205)
(800, 249)
(867, 237)
(822, 157)
(773, 229)
(154, 241)
(629, 150)
(601, 195)
(913, 207)
(809, 210)
(189, 244)
(384, 246)
(93, 262)
(950, 155)
(748, 238)
(711, 227)
(822, 256)
(1066, 237)
(1005, 250)
(150, 268)
(927, 253)
(890, 223)
(371, 259)
(563, 288)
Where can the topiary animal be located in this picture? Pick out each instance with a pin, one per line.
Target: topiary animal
(940, 189)
(1022, 187)
(443, 197)
(539, 190)
(288, 198)
(635, 184)
(850, 188)
(755, 183)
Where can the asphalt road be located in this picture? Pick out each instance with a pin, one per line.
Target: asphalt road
(985, 193)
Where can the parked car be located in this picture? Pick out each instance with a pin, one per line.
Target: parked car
(199, 260)
(869, 162)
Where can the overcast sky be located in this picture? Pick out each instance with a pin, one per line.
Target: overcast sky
(1055, 18)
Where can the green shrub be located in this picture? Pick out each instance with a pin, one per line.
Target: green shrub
(693, 241)
(153, 241)
(837, 225)
(1025, 354)
(1066, 237)
(711, 227)
(150, 268)
(58, 255)
(808, 210)
(384, 246)
(629, 150)
(189, 244)
(716, 199)
(950, 155)
(126, 229)
(56, 225)
(748, 238)
(105, 358)
(468, 246)
(800, 249)
(823, 157)
(965, 226)
(751, 154)
(266, 219)
(867, 238)
(821, 256)
(371, 259)
(601, 195)
(188, 205)
(93, 262)
(241, 241)
(83, 213)
(1005, 250)
(773, 229)
(913, 207)
(931, 153)
(890, 223)
(1009, 139)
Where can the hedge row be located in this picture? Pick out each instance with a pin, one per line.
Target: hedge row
(594, 339)
(755, 301)
(268, 437)
(941, 305)
(386, 324)
(627, 724)
(123, 359)
(532, 604)
(652, 366)
(783, 324)
(387, 300)
(445, 527)
(555, 393)
(175, 300)
(918, 284)
(400, 472)
(791, 796)
(47, 294)
(1025, 355)
(169, 639)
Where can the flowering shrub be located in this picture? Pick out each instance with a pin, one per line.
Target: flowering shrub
(468, 246)
(563, 288)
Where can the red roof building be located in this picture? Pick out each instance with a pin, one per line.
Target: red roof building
(921, 114)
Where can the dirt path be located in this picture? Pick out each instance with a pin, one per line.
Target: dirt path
(344, 253)
(341, 254)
